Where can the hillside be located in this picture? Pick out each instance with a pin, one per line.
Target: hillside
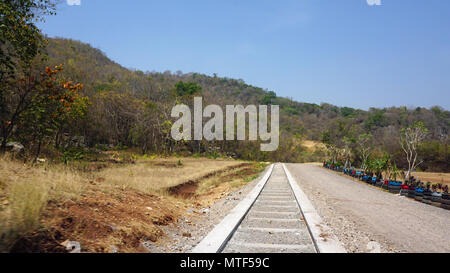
(130, 92)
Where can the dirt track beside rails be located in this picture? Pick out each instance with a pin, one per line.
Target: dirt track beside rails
(365, 217)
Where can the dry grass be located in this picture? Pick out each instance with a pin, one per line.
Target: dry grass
(25, 192)
(156, 175)
(233, 178)
(312, 145)
(434, 178)
(43, 198)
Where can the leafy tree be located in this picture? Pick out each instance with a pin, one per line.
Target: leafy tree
(20, 38)
(269, 97)
(183, 89)
(376, 119)
(393, 171)
(326, 137)
(378, 165)
(348, 112)
(52, 104)
(20, 42)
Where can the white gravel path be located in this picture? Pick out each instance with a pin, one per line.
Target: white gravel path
(363, 217)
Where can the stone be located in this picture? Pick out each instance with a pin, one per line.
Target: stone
(15, 147)
(113, 249)
(205, 211)
(146, 246)
(72, 246)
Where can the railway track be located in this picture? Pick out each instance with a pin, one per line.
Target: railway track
(275, 217)
(274, 223)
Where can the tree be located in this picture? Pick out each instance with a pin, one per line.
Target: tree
(269, 97)
(50, 105)
(347, 150)
(378, 165)
(376, 119)
(392, 171)
(411, 138)
(188, 89)
(20, 38)
(20, 42)
(364, 148)
(381, 165)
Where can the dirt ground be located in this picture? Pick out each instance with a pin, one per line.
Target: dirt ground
(310, 144)
(364, 217)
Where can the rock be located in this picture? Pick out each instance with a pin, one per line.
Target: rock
(205, 211)
(78, 141)
(112, 227)
(190, 211)
(145, 246)
(113, 249)
(15, 147)
(72, 246)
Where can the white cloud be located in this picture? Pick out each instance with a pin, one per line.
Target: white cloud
(374, 2)
(74, 2)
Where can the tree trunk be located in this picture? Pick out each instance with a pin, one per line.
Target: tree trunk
(38, 150)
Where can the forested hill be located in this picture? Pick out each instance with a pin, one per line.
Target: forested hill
(125, 102)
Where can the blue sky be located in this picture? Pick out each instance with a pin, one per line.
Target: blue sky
(344, 52)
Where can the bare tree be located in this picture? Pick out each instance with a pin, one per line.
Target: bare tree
(346, 151)
(364, 148)
(410, 139)
(332, 152)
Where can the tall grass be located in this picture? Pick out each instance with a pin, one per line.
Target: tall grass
(25, 192)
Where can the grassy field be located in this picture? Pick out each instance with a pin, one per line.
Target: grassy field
(434, 178)
(156, 175)
(111, 202)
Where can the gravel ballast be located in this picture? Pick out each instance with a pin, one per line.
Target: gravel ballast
(189, 230)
